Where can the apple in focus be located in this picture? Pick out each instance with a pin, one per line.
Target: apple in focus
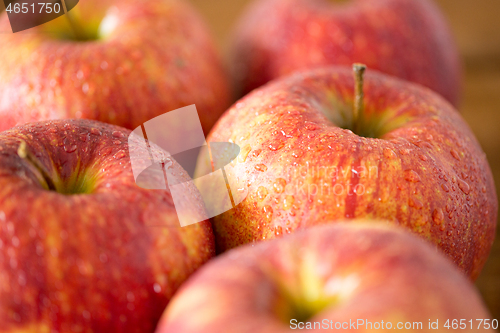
(82, 247)
(365, 273)
(124, 62)
(307, 159)
(409, 39)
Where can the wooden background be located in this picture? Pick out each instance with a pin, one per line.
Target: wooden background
(476, 26)
(477, 30)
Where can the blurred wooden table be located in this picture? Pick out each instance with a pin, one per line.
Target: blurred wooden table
(477, 30)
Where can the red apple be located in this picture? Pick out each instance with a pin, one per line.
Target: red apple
(409, 158)
(344, 276)
(405, 38)
(82, 247)
(130, 61)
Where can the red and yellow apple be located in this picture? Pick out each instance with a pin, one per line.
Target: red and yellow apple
(409, 157)
(357, 277)
(405, 38)
(129, 61)
(82, 247)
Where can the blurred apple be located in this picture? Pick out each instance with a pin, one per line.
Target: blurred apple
(357, 277)
(309, 156)
(82, 247)
(405, 38)
(121, 62)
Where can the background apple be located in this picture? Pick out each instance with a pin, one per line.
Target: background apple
(411, 160)
(82, 247)
(336, 273)
(405, 38)
(131, 61)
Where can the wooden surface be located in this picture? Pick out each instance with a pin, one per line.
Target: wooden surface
(477, 30)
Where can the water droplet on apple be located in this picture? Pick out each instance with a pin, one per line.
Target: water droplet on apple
(288, 202)
(297, 153)
(242, 157)
(256, 152)
(422, 157)
(278, 231)
(279, 185)
(21, 279)
(95, 131)
(445, 187)
(118, 134)
(86, 314)
(389, 153)
(438, 216)
(70, 148)
(83, 137)
(245, 136)
(455, 154)
(415, 203)
(103, 258)
(53, 130)
(276, 145)
(119, 155)
(483, 189)
(412, 176)
(268, 211)
(311, 127)
(85, 88)
(262, 193)
(447, 208)
(261, 167)
(117, 142)
(404, 151)
(105, 151)
(104, 65)
(463, 186)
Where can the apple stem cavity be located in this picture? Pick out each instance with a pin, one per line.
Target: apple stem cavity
(43, 175)
(76, 28)
(359, 70)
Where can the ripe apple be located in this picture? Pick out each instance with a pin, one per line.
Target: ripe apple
(124, 62)
(82, 247)
(308, 157)
(356, 273)
(405, 38)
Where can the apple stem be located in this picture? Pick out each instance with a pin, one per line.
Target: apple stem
(45, 179)
(75, 26)
(359, 70)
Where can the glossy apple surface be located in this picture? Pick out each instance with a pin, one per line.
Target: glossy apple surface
(413, 160)
(137, 60)
(97, 253)
(405, 38)
(332, 275)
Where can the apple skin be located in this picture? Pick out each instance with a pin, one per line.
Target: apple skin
(425, 171)
(105, 261)
(158, 58)
(405, 38)
(368, 271)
